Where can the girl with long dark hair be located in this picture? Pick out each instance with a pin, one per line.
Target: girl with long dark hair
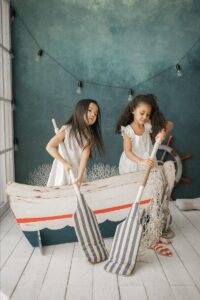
(81, 135)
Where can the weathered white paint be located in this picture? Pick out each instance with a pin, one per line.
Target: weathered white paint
(37, 202)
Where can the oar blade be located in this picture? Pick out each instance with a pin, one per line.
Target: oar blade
(88, 233)
(86, 225)
(126, 244)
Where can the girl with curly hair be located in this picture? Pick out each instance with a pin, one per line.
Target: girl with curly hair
(140, 124)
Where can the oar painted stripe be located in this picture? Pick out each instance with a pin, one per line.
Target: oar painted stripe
(131, 253)
(86, 226)
(92, 230)
(68, 216)
(124, 251)
(100, 242)
(123, 236)
(80, 236)
(110, 262)
(127, 242)
(84, 229)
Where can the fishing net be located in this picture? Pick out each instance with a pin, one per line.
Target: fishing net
(156, 216)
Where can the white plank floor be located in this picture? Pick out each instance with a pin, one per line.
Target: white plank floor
(62, 272)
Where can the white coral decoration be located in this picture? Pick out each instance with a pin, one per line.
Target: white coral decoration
(100, 171)
(40, 175)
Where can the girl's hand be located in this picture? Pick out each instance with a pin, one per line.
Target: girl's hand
(161, 135)
(67, 167)
(78, 181)
(148, 162)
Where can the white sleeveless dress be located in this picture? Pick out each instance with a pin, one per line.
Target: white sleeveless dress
(58, 175)
(141, 146)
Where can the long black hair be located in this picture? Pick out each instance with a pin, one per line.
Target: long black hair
(158, 121)
(84, 132)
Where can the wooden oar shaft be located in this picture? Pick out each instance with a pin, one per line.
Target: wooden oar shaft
(146, 176)
(85, 222)
(128, 234)
(153, 154)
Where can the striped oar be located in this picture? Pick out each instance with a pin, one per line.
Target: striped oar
(128, 234)
(86, 225)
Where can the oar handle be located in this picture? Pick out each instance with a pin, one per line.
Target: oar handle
(54, 125)
(71, 174)
(77, 190)
(153, 154)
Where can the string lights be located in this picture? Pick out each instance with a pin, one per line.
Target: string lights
(79, 87)
(80, 83)
(130, 95)
(178, 70)
(39, 55)
(15, 143)
(12, 14)
(11, 53)
(13, 103)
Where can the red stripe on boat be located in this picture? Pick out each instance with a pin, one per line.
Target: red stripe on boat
(98, 211)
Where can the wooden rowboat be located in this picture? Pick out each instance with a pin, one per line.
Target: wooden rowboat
(49, 211)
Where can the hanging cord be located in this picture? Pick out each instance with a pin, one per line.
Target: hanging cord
(109, 85)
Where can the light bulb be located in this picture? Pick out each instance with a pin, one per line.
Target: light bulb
(12, 54)
(178, 70)
(79, 87)
(39, 55)
(130, 95)
(13, 103)
(12, 14)
(15, 142)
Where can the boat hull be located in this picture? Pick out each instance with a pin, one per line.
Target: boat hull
(50, 209)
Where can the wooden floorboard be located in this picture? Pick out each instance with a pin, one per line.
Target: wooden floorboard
(15, 266)
(60, 265)
(7, 221)
(9, 242)
(191, 234)
(33, 276)
(154, 279)
(183, 292)
(132, 287)
(187, 255)
(194, 218)
(62, 273)
(81, 277)
(105, 285)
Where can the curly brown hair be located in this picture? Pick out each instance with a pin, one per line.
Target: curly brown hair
(158, 121)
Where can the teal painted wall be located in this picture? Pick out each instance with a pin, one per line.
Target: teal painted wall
(109, 41)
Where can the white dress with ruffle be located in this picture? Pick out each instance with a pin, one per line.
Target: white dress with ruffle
(58, 175)
(141, 146)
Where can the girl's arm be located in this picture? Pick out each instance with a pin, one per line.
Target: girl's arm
(52, 148)
(83, 163)
(132, 156)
